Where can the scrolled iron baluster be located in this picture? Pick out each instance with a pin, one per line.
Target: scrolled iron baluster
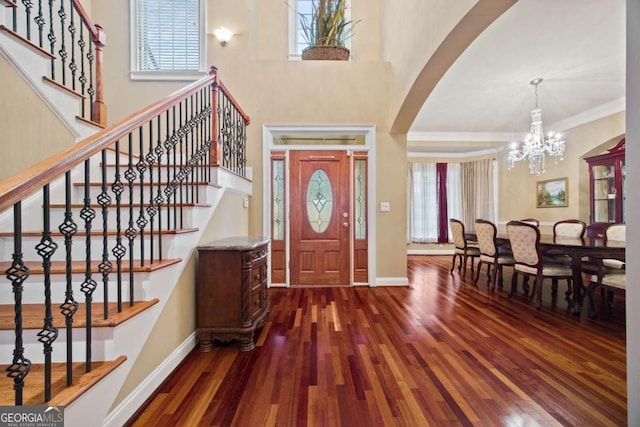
(151, 208)
(168, 190)
(73, 66)
(83, 77)
(142, 221)
(105, 267)
(158, 200)
(28, 5)
(17, 274)
(40, 22)
(88, 286)
(49, 333)
(62, 52)
(130, 175)
(119, 250)
(68, 228)
(52, 40)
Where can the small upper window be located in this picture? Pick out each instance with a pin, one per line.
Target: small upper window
(298, 8)
(168, 39)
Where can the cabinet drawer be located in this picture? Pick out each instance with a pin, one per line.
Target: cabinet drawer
(258, 275)
(254, 256)
(257, 302)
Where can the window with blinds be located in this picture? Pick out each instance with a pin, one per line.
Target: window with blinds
(169, 36)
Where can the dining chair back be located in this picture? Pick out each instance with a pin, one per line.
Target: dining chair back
(572, 228)
(462, 250)
(616, 232)
(531, 221)
(525, 245)
(491, 253)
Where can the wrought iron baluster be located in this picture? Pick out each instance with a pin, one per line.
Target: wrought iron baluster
(159, 199)
(62, 14)
(17, 274)
(40, 21)
(105, 267)
(141, 166)
(168, 190)
(151, 209)
(119, 251)
(83, 77)
(88, 286)
(180, 175)
(28, 5)
(91, 90)
(68, 228)
(73, 66)
(52, 40)
(190, 150)
(131, 233)
(46, 248)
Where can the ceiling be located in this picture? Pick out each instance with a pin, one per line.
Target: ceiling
(485, 98)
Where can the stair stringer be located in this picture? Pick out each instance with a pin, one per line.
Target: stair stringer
(129, 338)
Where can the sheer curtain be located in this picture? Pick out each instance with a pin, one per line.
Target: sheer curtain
(477, 192)
(423, 203)
(454, 192)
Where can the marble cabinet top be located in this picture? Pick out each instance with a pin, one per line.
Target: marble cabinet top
(235, 243)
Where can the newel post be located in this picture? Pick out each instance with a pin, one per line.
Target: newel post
(214, 153)
(99, 109)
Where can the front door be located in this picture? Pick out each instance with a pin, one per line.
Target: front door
(320, 218)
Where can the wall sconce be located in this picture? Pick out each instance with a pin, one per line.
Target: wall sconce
(223, 34)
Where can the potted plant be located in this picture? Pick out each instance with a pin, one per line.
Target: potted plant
(326, 30)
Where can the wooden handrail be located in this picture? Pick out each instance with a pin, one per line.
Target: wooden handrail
(85, 18)
(21, 185)
(226, 92)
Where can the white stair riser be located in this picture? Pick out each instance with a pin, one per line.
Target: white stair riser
(198, 193)
(78, 248)
(33, 289)
(102, 343)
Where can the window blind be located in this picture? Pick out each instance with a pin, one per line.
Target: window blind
(168, 35)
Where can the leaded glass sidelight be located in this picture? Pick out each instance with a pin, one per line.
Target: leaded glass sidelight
(278, 200)
(360, 204)
(319, 201)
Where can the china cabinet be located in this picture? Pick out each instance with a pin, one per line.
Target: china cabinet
(607, 189)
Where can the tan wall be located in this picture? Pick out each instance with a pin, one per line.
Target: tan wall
(177, 320)
(23, 143)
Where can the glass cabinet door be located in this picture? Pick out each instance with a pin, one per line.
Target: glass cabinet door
(604, 193)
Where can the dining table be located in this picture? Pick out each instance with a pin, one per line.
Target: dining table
(581, 250)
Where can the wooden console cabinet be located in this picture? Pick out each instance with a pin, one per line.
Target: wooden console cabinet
(232, 299)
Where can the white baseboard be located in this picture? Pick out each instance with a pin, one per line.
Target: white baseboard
(429, 251)
(392, 281)
(125, 410)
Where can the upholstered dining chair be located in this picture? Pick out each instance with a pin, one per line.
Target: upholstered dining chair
(463, 250)
(570, 228)
(494, 255)
(525, 244)
(613, 282)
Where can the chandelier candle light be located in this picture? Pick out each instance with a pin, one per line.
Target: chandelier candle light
(536, 146)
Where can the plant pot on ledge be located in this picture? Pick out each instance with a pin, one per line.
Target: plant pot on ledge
(332, 53)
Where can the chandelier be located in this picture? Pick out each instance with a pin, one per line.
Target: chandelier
(536, 146)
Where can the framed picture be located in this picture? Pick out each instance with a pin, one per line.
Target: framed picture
(552, 193)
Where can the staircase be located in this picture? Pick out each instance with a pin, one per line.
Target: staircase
(94, 240)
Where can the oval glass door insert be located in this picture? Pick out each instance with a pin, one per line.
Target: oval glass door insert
(319, 201)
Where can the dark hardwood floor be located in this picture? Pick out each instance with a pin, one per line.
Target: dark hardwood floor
(439, 352)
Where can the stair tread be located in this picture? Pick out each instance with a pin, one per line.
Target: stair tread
(33, 315)
(57, 233)
(79, 267)
(33, 392)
